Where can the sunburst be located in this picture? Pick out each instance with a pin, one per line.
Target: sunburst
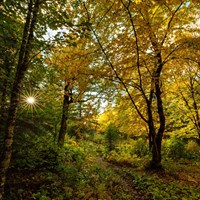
(30, 101)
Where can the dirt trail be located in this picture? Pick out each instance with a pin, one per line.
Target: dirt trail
(126, 181)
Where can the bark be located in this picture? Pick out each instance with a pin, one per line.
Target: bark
(3, 108)
(4, 102)
(63, 127)
(65, 112)
(156, 150)
(22, 66)
(198, 140)
(156, 137)
(154, 143)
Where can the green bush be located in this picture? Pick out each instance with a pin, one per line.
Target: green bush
(174, 148)
(41, 152)
(121, 157)
(71, 154)
(140, 148)
(192, 150)
(159, 190)
(112, 135)
(57, 172)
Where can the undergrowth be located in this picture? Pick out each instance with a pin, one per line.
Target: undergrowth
(158, 189)
(89, 170)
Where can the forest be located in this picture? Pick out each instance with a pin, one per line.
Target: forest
(99, 99)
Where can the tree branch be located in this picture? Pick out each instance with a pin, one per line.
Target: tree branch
(169, 23)
(113, 68)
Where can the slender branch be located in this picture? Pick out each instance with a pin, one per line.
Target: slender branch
(113, 68)
(169, 23)
(136, 40)
(105, 14)
(192, 118)
(185, 100)
(173, 50)
(137, 48)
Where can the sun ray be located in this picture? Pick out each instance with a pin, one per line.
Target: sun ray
(30, 101)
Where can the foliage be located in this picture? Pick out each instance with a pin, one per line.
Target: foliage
(129, 152)
(41, 153)
(122, 158)
(192, 150)
(112, 135)
(176, 148)
(56, 171)
(140, 148)
(119, 87)
(81, 129)
(169, 190)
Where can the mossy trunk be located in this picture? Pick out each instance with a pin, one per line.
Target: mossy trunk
(22, 66)
(65, 111)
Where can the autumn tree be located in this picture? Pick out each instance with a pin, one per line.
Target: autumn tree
(185, 81)
(137, 40)
(72, 63)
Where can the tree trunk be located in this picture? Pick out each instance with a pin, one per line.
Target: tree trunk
(156, 150)
(155, 146)
(65, 111)
(155, 137)
(22, 65)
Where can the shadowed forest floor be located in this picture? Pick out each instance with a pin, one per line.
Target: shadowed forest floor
(98, 178)
(106, 181)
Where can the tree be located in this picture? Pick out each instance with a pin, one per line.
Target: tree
(186, 93)
(138, 64)
(72, 64)
(9, 42)
(38, 16)
(23, 61)
(112, 136)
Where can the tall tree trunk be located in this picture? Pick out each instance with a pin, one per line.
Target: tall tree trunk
(3, 102)
(161, 114)
(156, 136)
(154, 144)
(22, 65)
(65, 111)
(198, 140)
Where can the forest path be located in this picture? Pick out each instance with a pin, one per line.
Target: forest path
(125, 189)
(178, 181)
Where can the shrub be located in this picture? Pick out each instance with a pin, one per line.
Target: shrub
(41, 152)
(174, 148)
(140, 148)
(192, 150)
(112, 136)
